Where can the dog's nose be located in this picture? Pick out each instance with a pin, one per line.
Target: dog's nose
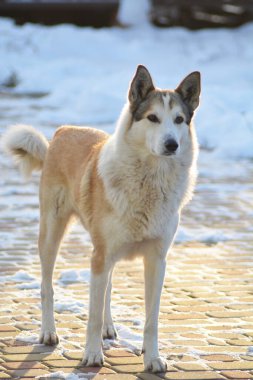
(170, 146)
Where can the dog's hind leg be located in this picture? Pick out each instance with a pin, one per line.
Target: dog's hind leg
(53, 221)
(109, 331)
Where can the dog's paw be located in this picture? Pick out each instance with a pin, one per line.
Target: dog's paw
(48, 337)
(156, 365)
(109, 331)
(93, 359)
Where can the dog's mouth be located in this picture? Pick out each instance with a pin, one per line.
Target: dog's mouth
(164, 153)
(168, 154)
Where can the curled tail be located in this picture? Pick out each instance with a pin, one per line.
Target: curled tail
(27, 146)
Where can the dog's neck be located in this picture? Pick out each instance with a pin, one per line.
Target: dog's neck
(124, 123)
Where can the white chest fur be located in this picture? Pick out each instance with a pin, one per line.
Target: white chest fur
(144, 193)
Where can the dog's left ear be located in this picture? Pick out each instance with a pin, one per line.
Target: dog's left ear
(140, 86)
(189, 89)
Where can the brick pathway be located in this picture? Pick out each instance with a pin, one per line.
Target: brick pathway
(206, 319)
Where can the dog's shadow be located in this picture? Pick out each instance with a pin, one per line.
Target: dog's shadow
(42, 361)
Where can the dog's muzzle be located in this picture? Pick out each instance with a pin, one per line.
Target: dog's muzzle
(170, 147)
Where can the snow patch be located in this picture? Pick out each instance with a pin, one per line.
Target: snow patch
(63, 375)
(26, 336)
(201, 234)
(31, 285)
(72, 276)
(129, 339)
(19, 276)
(69, 305)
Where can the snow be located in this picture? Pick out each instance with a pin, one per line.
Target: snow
(63, 375)
(31, 285)
(70, 305)
(28, 337)
(129, 339)
(72, 276)
(84, 74)
(20, 276)
(204, 234)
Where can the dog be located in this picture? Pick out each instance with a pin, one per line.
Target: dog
(128, 190)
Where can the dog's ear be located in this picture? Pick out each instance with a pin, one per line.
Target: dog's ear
(140, 86)
(189, 90)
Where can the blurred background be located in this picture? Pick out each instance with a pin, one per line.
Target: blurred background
(71, 62)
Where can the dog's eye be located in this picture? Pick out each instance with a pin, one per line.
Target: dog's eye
(153, 118)
(179, 120)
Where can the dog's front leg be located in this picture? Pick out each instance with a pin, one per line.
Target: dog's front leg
(93, 350)
(154, 271)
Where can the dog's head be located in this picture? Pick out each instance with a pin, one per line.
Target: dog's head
(162, 118)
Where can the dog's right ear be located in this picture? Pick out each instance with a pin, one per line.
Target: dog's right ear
(140, 86)
(189, 90)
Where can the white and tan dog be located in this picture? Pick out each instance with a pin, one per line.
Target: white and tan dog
(128, 190)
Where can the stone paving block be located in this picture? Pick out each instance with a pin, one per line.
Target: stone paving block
(70, 325)
(241, 365)
(125, 360)
(28, 372)
(63, 363)
(40, 348)
(148, 376)
(189, 342)
(190, 366)
(195, 375)
(240, 342)
(31, 357)
(9, 334)
(187, 316)
(184, 322)
(4, 375)
(176, 350)
(23, 365)
(193, 336)
(172, 329)
(115, 377)
(27, 326)
(27, 301)
(222, 326)
(131, 368)
(118, 353)
(70, 347)
(4, 328)
(216, 342)
(223, 349)
(225, 335)
(236, 375)
(246, 357)
(75, 339)
(199, 308)
(216, 358)
(76, 355)
(5, 320)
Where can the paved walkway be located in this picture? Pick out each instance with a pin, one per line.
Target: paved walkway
(206, 319)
